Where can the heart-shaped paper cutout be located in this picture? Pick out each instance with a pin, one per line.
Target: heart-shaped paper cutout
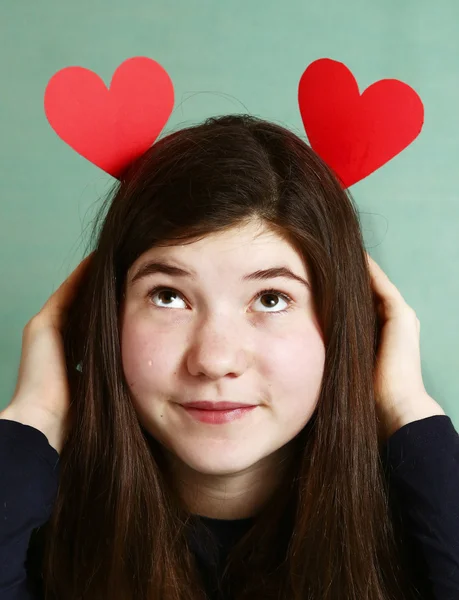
(110, 127)
(354, 133)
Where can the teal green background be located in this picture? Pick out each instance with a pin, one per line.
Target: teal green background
(230, 57)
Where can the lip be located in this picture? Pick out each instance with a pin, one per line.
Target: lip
(205, 405)
(217, 417)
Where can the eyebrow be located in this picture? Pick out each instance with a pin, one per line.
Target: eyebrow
(157, 266)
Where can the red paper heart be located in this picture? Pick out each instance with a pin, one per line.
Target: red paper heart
(110, 127)
(356, 134)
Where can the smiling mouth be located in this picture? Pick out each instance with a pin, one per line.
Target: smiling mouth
(208, 405)
(217, 417)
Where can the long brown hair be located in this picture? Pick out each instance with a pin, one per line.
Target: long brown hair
(118, 530)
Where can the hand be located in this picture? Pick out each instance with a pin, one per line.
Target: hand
(41, 398)
(400, 394)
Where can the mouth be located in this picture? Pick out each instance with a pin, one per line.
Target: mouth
(217, 417)
(207, 405)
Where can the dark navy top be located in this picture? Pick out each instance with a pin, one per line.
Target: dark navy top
(421, 462)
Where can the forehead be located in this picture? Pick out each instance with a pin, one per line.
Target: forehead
(226, 257)
(229, 243)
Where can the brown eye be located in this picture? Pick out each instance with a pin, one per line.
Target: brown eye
(273, 302)
(166, 295)
(273, 299)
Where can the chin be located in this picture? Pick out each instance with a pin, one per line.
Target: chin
(213, 462)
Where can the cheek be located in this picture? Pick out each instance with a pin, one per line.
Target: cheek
(146, 359)
(293, 367)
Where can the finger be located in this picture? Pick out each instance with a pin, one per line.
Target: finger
(385, 290)
(57, 305)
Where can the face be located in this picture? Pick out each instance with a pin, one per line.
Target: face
(213, 336)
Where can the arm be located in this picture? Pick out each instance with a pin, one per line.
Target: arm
(28, 485)
(423, 466)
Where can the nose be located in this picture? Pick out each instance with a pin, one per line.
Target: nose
(217, 350)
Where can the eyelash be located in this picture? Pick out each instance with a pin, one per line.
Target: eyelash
(286, 297)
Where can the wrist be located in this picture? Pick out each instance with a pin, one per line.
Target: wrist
(50, 429)
(420, 409)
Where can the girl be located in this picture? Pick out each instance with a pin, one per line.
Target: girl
(228, 267)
